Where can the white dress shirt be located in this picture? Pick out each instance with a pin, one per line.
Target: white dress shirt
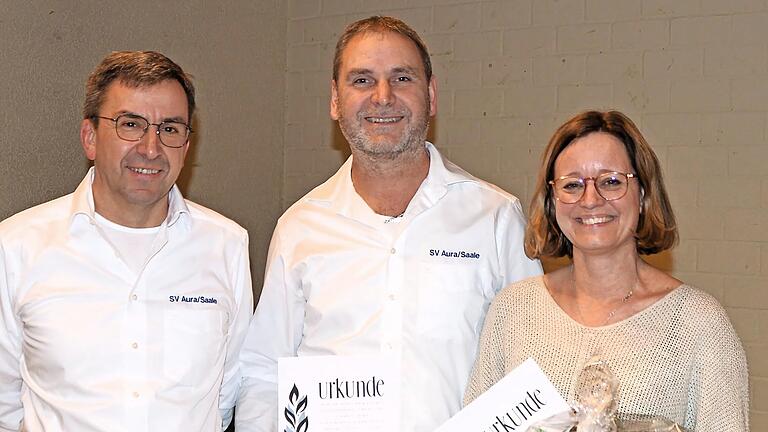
(343, 280)
(87, 344)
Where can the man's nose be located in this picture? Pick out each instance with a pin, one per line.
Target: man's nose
(382, 94)
(150, 144)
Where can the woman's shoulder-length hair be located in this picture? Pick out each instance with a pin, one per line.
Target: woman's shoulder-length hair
(656, 228)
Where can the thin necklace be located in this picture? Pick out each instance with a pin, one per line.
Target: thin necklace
(391, 218)
(612, 313)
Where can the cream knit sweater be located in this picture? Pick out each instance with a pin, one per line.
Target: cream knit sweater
(679, 358)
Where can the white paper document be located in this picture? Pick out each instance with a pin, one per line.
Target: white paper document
(338, 393)
(523, 397)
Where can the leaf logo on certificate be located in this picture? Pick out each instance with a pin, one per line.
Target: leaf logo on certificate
(295, 413)
(339, 393)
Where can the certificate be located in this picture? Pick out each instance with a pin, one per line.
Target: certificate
(523, 397)
(338, 393)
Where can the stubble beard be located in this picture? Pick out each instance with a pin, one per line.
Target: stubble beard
(411, 141)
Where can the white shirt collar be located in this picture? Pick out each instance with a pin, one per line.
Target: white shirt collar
(83, 204)
(339, 193)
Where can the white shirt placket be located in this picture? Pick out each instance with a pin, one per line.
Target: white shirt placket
(135, 336)
(392, 321)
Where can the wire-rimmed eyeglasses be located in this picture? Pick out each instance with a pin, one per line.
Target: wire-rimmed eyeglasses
(133, 127)
(611, 186)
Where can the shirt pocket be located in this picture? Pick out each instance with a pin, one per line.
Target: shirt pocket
(194, 344)
(451, 299)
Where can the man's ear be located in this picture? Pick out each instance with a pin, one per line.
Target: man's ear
(88, 138)
(186, 150)
(334, 100)
(432, 87)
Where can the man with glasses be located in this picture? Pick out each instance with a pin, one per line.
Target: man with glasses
(399, 253)
(123, 306)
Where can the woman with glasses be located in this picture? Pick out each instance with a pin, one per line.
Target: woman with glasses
(600, 201)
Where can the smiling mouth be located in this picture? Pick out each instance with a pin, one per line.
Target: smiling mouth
(147, 171)
(383, 120)
(594, 220)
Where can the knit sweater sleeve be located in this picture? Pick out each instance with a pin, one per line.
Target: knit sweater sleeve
(719, 393)
(489, 366)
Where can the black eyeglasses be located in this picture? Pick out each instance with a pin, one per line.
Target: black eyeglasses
(132, 127)
(611, 186)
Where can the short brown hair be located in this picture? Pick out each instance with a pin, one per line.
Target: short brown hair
(380, 24)
(134, 69)
(656, 227)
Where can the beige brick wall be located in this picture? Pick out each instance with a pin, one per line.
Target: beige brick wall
(692, 73)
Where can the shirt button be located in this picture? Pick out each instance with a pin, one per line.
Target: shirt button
(134, 297)
(388, 346)
(392, 251)
(135, 395)
(134, 345)
(391, 297)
